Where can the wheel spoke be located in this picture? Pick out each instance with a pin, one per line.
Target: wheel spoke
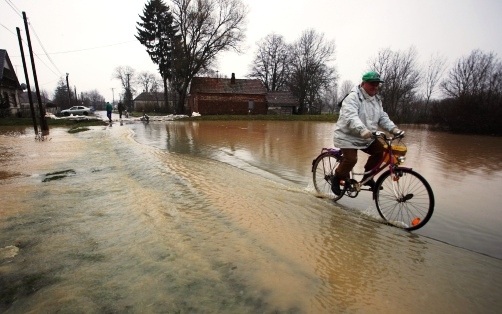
(323, 172)
(406, 199)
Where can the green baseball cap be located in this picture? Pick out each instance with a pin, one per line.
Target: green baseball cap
(372, 77)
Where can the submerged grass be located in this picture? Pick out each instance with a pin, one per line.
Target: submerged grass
(75, 126)
(17, 286)
(50, 122)
(78, 129)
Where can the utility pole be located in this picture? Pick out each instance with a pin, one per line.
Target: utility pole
(128, 92)
(68, 88)
(27, 82)
(43, 123)
(113, 96)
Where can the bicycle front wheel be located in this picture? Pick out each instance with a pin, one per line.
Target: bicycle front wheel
(404, 199)
(323, 172)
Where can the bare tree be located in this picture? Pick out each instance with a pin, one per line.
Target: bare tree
(478, 73)
(157, 85)
(207, 27)
(311, 73)
(146, 80)
(270, 64)
(126, 75)
(402, 78)
(330, 99)
(93, 98)
(474, 88)
(345, 88)
(435, 70)
(45, 95)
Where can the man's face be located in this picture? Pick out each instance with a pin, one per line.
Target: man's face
(370, 87)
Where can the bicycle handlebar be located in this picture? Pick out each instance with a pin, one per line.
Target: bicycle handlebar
(384, 136)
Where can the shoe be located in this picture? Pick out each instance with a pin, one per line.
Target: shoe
(335, 185)
(371, 183)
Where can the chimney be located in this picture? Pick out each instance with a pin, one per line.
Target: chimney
(232, 80)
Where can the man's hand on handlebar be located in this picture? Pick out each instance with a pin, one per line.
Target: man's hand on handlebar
(366, 134)
(398, 134)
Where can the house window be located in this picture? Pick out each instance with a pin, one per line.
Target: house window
(251, 104)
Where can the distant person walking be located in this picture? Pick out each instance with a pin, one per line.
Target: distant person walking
(109, 109)
(120, 108)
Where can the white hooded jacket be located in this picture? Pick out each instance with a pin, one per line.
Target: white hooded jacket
(360, 112)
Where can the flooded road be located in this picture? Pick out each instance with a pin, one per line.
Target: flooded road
(464, 171)
(113, 220)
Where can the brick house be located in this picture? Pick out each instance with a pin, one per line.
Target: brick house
(213, 96)
(9, 86)
(282, 103)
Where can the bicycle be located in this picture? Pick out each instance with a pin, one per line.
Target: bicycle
(403, 197)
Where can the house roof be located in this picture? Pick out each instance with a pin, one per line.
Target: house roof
(209, 85)
(281, 98)
(150, 96)
(23, 98)
(7, 75)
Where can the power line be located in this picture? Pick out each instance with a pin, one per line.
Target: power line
(85, 49)
(14, 8)
(8, 29)
(48, 55)
(18, 12)
(43, 48)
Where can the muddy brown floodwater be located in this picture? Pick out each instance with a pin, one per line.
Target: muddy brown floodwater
(128, 219)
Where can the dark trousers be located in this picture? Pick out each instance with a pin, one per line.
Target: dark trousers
(375, 150)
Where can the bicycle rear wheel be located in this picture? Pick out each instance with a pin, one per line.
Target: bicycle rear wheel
(405, 200)
(323, 172)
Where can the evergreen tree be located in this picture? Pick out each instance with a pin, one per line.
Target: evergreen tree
(157, 33)
(61, 95)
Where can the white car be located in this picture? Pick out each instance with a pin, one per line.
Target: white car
(77, 110)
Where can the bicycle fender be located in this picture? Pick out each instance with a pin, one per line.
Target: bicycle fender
(335, 152)
(315, 159)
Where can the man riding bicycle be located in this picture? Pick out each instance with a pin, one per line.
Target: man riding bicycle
(361, 114)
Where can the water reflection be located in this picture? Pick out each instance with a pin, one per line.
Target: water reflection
(278, 150)
(456, 155)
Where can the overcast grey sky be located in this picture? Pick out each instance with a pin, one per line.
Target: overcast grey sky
(89, 39)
